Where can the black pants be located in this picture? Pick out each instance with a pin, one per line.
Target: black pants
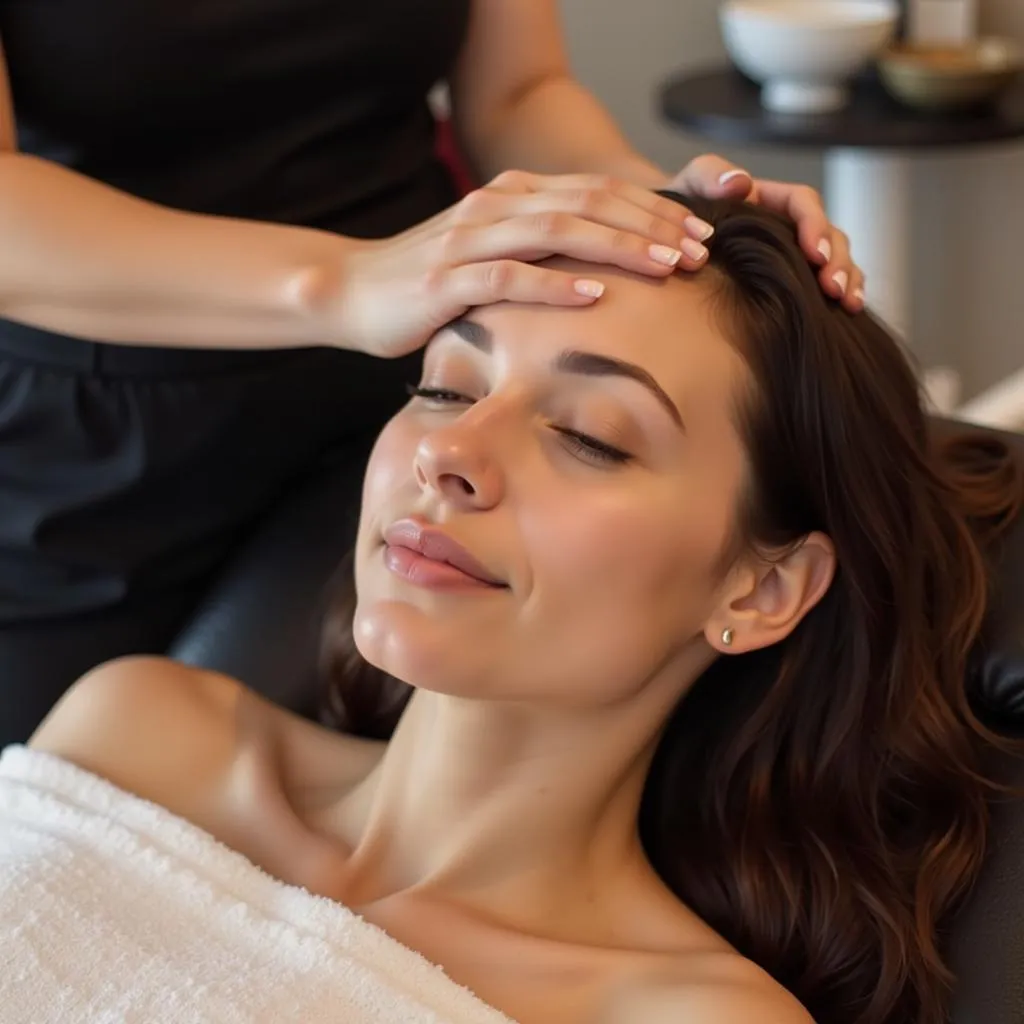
(192, 503)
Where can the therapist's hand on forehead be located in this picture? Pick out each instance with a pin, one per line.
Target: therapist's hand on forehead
(393, 294)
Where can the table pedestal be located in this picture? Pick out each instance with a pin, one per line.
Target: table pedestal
(868, 195)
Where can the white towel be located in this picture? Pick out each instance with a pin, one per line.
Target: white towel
(112, 909)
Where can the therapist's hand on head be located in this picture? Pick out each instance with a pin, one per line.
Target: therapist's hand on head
(390, 295)
(825, 245)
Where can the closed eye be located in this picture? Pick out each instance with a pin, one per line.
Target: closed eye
(582, 445)
(588, 447)
(441, 395)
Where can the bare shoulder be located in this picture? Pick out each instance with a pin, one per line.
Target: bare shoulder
(720, 988)
(180, 736)
(151, 726)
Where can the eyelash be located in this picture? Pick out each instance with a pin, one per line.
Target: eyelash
(583, 445)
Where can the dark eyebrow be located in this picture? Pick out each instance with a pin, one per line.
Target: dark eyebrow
(588, 364)
(471, 332)
(591, 364)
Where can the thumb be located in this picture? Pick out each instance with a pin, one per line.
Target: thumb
(713, 177)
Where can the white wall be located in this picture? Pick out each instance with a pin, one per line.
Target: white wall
(968, 303)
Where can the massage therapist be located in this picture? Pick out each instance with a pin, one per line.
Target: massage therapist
(224, 236)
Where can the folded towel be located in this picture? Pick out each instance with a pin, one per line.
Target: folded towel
(112, 909)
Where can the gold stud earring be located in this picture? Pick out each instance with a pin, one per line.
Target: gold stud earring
(727, 635)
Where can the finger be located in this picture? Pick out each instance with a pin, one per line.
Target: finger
(714, 177)
(479, 284)
(834, 275)
(514, 181)
(537, 236)
(614, 211)
(648, 202)
(856, 301)
(852, 284)
(840, 277)
(804, 206)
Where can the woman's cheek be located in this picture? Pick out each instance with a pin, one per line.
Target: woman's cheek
(392, 464)
(586, 540)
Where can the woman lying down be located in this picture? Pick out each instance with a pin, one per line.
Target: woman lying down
(683, 596)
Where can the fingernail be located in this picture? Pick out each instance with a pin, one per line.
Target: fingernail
(665, 254)
(694, 249)
(842, 279)
(825, 248)
(591, 289)
(729, 175)
(858, 294)
(699, 229)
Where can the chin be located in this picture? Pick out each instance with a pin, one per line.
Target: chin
(419, 648)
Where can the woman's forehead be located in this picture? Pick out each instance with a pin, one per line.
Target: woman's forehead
(668, 326)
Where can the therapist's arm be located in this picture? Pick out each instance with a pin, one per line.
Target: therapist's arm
(85, 259)
(515, 103)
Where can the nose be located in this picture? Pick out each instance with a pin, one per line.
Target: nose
(454, 463)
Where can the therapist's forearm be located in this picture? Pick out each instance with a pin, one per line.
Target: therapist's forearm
(556, 127)
(84, 259)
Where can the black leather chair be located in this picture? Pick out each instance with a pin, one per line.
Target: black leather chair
(261, 626)
(988, 940)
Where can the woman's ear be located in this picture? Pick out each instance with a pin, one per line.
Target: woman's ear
(764, 603)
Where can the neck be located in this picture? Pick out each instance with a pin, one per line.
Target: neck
(522, 809)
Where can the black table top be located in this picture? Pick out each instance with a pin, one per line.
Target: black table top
(725, 106)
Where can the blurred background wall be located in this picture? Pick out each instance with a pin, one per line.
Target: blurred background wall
(968, 295)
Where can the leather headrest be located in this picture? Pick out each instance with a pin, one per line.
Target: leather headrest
(997, 686)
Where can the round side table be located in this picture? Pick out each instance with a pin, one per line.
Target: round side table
(867, 148)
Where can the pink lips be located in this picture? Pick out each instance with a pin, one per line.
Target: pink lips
(427, 556)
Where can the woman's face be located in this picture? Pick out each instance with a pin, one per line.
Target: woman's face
(588, 463)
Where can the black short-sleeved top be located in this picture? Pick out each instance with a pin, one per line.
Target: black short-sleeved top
(307, 112)
(135, 470)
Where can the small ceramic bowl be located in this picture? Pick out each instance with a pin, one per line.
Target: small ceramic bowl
(804, 53)
(950, 79)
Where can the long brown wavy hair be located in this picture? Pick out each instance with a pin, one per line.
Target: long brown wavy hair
(822, 803)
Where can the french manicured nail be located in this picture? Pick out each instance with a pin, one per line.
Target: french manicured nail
(842, 279)
(858, 294)
(591, 289)
(699, 229)
(694, 249)
(667, 255)
(825, 248)
(729, 175)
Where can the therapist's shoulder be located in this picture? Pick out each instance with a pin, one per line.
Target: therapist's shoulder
(151, 726)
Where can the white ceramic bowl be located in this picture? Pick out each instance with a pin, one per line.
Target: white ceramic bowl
(804, 52)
